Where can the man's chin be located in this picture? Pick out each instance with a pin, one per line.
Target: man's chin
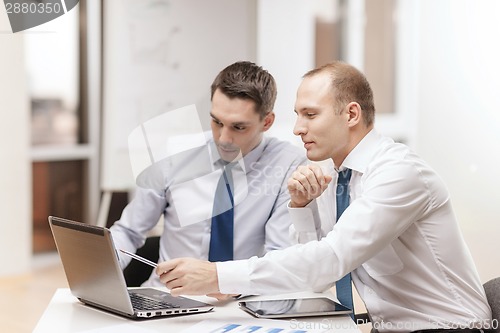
(311, 156)
(230, 156)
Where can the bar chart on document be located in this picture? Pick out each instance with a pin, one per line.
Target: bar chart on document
(256, 326)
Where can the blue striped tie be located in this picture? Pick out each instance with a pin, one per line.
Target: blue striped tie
(344, 286)
(221, 237)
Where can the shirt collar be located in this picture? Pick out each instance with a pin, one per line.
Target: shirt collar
(359, 158)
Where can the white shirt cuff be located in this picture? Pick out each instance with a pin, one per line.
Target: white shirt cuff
(234, 277)
(303, 218)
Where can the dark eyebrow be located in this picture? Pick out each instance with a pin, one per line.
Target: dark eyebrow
(241, 123)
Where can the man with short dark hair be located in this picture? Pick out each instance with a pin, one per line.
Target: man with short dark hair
(242, 96)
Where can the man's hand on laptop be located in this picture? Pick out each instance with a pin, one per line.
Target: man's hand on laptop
(188, 276)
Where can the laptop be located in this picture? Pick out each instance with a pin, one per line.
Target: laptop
(91, 264)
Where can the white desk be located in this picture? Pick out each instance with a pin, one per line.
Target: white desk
(66, 314)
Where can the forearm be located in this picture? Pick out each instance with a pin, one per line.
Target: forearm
(297, 268)
(140, 216)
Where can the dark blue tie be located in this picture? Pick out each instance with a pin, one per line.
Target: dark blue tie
(344, 286)
(221, 238)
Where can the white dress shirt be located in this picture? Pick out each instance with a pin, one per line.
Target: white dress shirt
(399, 237)
(261, 218)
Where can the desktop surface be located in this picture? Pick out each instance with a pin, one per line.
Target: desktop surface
(67, 314)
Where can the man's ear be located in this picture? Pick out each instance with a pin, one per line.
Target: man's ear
(355, 114)
(269, 120)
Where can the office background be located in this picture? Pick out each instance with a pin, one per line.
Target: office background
(443, 65)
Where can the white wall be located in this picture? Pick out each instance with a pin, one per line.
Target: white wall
(15, 171)
(459, 115)
(285, 48)
(158, 58)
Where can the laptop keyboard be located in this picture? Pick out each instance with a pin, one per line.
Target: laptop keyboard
(141, 302)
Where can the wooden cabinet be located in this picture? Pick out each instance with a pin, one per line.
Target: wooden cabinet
(58, 189)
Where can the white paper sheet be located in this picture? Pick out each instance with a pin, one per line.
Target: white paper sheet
(256, 326)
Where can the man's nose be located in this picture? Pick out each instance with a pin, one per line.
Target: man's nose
(299, 128)
(225, 136)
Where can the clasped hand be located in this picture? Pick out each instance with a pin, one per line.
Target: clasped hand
(306, 184)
